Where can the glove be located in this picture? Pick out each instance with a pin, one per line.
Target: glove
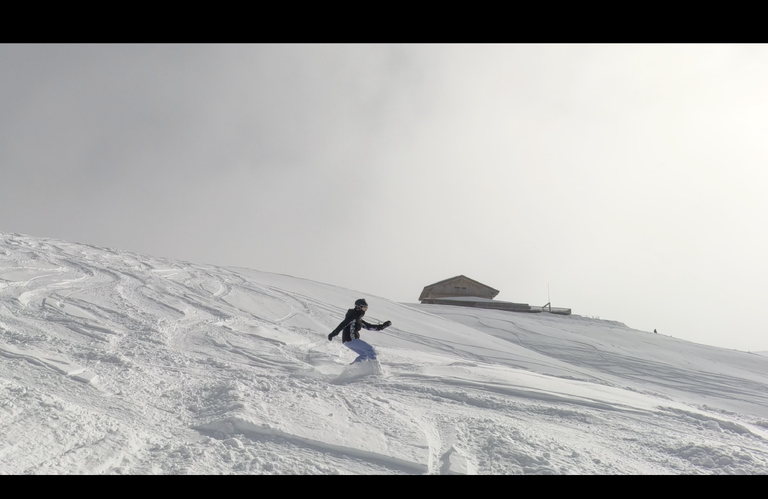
(330, 337)
(386, 325)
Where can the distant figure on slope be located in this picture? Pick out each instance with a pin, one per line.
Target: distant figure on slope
(352, 324)
(655, 331)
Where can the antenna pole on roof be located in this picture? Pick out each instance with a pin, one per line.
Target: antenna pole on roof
(549, 300)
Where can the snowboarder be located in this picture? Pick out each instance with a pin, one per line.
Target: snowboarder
(351, 326)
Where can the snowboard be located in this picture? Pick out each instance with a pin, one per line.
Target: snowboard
(358, 370)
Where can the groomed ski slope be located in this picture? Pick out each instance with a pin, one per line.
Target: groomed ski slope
(118, 363)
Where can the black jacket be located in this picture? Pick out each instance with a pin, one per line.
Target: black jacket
(352, 324)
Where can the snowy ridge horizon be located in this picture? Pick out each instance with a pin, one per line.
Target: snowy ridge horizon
(113, 362)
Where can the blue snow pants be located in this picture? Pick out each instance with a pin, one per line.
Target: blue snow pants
(363, 349)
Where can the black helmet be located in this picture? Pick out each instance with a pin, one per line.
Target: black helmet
(361, 303)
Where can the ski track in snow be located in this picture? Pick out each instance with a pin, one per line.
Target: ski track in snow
(118, 363)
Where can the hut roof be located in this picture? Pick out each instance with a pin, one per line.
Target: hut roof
(444, 281)
(458, 277)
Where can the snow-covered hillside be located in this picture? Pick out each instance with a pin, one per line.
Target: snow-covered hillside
(113, 362)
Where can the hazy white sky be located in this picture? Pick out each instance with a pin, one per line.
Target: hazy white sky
(631, 178)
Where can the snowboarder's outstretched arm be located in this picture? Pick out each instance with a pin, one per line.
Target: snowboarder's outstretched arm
(341, 325)
(336, 331)
(376, 327)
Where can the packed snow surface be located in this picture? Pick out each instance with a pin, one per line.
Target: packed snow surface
(118, 363)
